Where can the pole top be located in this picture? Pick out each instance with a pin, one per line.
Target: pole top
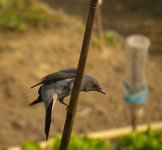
(138, 41)
(100, 2)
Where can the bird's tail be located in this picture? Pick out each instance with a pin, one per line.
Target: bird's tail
(38, 100)
(48, 119)
(49, 110)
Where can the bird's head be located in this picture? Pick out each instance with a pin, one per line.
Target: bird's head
(91, 84)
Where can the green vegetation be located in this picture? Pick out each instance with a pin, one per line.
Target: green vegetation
(31, 146)
(111, 38)
(4, 148)
(82, 143)
(96, 42)
(76, 143)
(20, 14)
(141, 141)
(148, 140)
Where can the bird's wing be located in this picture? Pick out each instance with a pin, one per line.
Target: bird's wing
(49, 110)
(56, 76)
(39, 99)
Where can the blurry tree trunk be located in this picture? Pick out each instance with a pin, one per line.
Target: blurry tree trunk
(99, 24)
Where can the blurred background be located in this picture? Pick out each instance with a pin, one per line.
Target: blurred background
(41, 37)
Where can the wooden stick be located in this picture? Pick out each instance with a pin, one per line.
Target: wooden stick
(134, 116)
(80, 70)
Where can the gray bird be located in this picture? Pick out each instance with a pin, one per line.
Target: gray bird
(58, 85)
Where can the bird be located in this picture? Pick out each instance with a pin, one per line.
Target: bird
(57, 86)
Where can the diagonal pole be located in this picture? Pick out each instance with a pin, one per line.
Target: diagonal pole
(80, 70)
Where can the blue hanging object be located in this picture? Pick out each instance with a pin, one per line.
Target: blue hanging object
(135, 96)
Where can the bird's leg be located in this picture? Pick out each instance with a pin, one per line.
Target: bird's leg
(67, 108)
(62, 102)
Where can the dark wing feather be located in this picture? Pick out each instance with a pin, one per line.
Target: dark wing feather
(38, 100)
(48, 119)
(56, 76)
(36, 84)
(60, 75)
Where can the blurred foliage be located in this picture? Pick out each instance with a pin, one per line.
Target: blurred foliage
(96, 42)
(76, 143)
(31, 146)
(19, 14)
(148, 140)
(80, 143)
(4, 148)
(111, 38)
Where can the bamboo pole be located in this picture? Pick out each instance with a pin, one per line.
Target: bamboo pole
(80, 70)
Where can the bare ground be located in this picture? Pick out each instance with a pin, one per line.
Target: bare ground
(26, 57)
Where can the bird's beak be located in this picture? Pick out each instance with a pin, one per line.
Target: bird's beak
(103, 92)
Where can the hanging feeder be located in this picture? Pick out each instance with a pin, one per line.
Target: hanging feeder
(135, 87)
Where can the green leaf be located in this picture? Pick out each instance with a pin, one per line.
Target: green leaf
(30, 146)
(3, 148)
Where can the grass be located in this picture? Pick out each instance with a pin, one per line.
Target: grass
(19, 15)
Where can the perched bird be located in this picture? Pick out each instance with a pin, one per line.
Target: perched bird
(58, 85)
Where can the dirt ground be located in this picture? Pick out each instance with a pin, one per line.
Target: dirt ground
(26, 57)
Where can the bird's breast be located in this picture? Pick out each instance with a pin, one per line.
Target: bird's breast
(61, 88)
